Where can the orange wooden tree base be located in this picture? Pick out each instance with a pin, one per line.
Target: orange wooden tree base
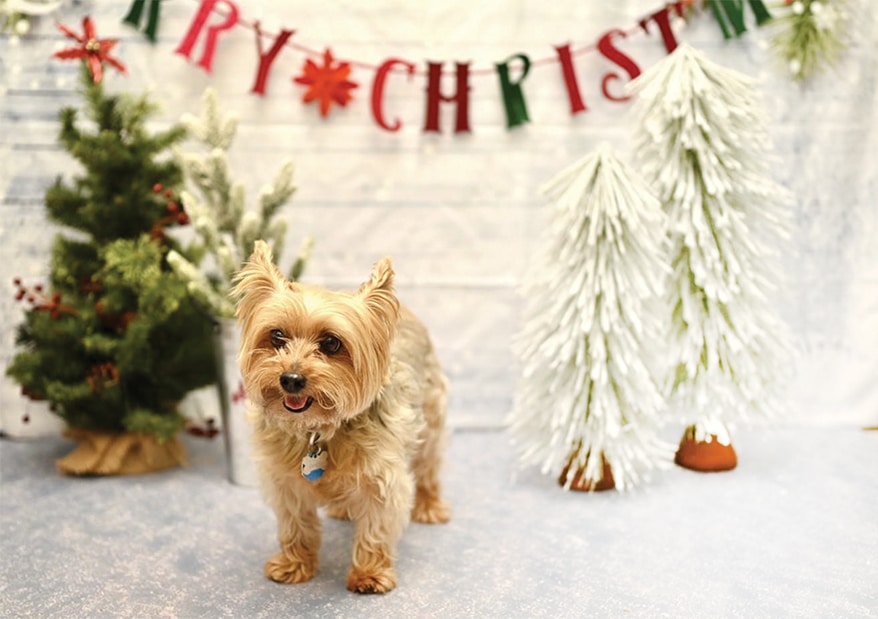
(585, 485)
(105, 453)
(705, 455)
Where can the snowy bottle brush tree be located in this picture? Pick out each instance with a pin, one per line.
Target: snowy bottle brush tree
(226, 231)
(588, 404)
(703, 145)
(225, 226)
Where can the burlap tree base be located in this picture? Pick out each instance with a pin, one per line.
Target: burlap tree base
(104, 453)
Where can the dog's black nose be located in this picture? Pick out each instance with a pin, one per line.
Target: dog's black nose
(292, 382)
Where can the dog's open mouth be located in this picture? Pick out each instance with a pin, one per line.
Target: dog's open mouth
(297, 403)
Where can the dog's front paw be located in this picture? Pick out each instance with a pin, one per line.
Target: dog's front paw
(430, 509)
(378, 581)
(281, 568)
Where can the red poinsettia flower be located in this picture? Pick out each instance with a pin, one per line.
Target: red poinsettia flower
(327, 84)
(93, 51)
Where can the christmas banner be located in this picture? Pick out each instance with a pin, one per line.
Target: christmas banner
(331, 82)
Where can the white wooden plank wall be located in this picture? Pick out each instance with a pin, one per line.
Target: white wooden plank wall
(460, 213)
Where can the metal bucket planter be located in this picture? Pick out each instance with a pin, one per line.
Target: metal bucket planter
(233, 406)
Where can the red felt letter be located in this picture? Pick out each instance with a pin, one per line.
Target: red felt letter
(661, 18)
(378, 92)
(612, 53)
(197, 26)
(435, 96)
(566, 58)
(265, 60)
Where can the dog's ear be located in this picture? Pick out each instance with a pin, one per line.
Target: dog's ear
(377, 293)
(381, 277)
(258, 279)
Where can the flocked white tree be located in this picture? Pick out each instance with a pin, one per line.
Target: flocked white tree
(703, 145)
(220, 217)
(588, 406)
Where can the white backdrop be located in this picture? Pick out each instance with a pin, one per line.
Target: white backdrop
(459, 213)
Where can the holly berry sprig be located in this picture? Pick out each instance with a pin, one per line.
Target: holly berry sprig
(175, 210)
(40, 301)
(176, 213)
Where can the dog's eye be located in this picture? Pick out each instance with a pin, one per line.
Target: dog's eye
(277, 337)
(330, 345)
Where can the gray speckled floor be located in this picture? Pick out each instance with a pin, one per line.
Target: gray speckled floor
(793, 532)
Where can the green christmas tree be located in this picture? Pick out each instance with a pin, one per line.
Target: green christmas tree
(115, 342)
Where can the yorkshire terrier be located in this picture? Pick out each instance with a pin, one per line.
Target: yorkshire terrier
(347, 403)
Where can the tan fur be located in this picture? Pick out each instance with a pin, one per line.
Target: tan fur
(378, 405)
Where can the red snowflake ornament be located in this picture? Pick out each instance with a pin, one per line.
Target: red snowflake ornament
(327, 84)
(93, 51)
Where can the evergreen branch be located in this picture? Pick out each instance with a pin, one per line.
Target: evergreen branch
(200, 287)
(810, 36)
(227, 229)
(301, 260)
(278, 193)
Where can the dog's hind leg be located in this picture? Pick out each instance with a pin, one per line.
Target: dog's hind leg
(429, 506)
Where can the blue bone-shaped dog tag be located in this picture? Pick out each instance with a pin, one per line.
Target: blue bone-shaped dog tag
(314, 463)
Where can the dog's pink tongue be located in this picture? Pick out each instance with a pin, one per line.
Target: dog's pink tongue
(296, 402)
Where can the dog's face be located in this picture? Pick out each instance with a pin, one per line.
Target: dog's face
(312, 358)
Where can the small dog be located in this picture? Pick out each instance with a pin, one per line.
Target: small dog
(347, 402)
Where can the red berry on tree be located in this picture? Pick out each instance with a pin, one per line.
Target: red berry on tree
(182, 219)
(157, 188)
(173, 207)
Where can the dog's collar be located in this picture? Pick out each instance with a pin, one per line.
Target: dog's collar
(314, 461)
